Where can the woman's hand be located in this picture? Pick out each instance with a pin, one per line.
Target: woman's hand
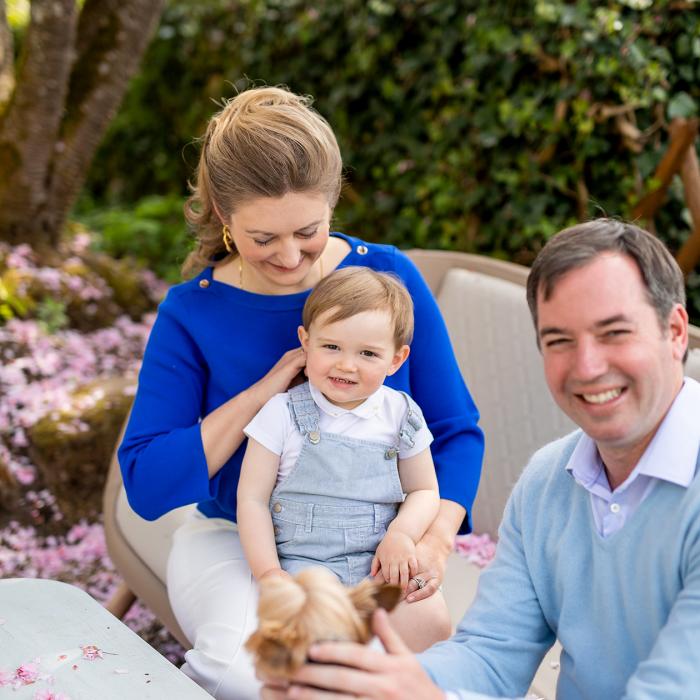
(346, 670)
(222, 429)
(279, 378)
(432, 554)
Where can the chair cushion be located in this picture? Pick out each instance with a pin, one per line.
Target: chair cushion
(692, 366)
(494, 341)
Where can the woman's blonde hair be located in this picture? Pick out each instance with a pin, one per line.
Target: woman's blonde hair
(265, 142)
(352, 290)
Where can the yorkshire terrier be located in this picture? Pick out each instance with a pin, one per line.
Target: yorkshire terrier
(313, 606)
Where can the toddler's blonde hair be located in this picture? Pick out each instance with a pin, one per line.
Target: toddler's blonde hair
(352, 290)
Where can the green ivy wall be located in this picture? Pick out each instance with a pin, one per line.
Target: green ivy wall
(478, 126)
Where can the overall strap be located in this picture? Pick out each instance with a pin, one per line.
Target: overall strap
(304, 411)
(412, 423)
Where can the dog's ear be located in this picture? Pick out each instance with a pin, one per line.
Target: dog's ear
(269, 654)
(369, 595)
(388, 596)
(278, 649)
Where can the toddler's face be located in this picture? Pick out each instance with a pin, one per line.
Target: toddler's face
(348, 360)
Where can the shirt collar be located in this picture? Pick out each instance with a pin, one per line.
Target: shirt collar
(367, 409)
(672, 454)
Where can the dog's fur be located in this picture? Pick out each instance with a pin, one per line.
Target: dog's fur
(314, 606)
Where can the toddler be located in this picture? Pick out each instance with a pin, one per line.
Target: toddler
(338, 470)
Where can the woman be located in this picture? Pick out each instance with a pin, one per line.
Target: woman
(225, 342)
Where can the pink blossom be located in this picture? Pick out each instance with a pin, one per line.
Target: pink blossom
(49, 278)
(28, 673)
(24, 474)
(45, 694)
(21, 256)
(91, 652)
(81, 242)
(477, 549)
(6, 677)
(19, 438)
(39, 374)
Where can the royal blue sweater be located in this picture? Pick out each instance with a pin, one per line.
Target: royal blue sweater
(211, 341)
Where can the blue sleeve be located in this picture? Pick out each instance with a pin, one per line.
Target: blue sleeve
(439, 389)
(672, 669)
(504, 635)
(161, 456)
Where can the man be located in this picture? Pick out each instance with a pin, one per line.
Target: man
(600, 541)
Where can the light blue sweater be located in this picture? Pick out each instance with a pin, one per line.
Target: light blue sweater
(626, 609)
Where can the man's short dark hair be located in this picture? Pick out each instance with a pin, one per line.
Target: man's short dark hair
(578, 245)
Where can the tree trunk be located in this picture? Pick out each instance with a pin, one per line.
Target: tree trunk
(7, 76)
(75, 69)
(32, 119)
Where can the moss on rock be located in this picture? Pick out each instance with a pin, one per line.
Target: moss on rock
(73, 448)
(126, 281)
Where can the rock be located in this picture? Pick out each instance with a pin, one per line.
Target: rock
(72, 449)
(126, 281)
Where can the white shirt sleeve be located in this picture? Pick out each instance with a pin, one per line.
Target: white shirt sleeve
(271, 424)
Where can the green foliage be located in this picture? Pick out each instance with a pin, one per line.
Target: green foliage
(153, 232)
(467, 125)
(52, 315)
(17, 14)
(12, 304)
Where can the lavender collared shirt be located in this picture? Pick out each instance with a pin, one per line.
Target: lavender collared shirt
(671, 456)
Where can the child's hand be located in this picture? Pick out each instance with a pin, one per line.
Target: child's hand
(274, 572)
(396, 558)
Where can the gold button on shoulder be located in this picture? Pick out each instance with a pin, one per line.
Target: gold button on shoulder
(203, 283)
(362, 250)
(277, 507)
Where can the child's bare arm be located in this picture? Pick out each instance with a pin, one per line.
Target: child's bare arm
(422, 503)
(395, 555)
(258, 476)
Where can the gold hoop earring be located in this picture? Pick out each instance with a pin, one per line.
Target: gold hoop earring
(228, 239)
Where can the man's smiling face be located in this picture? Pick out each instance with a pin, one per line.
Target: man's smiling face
(609, 363)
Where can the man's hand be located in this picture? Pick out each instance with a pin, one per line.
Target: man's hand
(395, 558)
(348, 670)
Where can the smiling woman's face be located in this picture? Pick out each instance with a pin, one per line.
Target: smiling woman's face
(279, 239)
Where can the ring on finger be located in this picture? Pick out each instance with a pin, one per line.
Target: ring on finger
(420, 582)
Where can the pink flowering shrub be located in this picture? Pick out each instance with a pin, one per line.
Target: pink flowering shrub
(39, 373)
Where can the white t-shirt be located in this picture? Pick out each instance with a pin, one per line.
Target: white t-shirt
(379, 418)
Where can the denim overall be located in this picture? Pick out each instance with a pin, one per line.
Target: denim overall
(335, 505)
